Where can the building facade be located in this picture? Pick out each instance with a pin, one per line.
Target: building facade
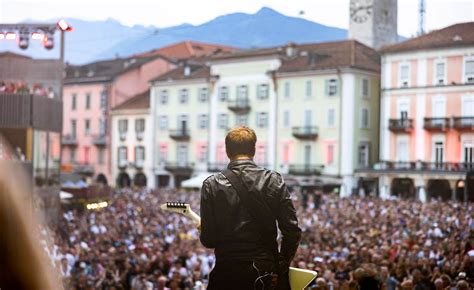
(427, 116)
(132, 160)
(90, 91)
(302, 101)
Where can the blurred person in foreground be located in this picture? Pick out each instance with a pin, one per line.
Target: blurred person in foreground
(244, 259)
(23, 263)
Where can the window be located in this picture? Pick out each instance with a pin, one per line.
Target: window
(241, 120)
(404, 75)
(183, 122)
(101, 156)
(88, 101)
(183, 96)
(286, 119)
(122, 158)
(182, 154)
(164, 97)
(223, 94)
(87, 127)
(123, 128)
(364, 118)
(262, 91)
(286, 154)
(73, 101)
(365, 88)
(260, 154)
(402, 148)
(73, 128)
(103, 100)
(72, 155)
(163, 153)
(309, 89)
(363, 155)
(330, 157)
(242, 92)
(163, 123)
(469, 71)
(223, 121)
(102, 127)
(262, 120)
(139, 156)
(331, 117)
(139, 128)
(287, 90)
(331, 87)
(203, 94)
(202, 157)
(203, 121)
(439, 73)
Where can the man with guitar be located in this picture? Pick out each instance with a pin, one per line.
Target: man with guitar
(240, 208)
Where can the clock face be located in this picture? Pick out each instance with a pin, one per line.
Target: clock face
(360, 10)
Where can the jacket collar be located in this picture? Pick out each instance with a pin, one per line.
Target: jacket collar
(238, 163)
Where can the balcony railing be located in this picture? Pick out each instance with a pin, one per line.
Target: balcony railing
(436, 124)
(305, 169)
(306, 132)
(400, 125)
(99, 140)
(239, 106)
(179, 167)
(180, 135)
(69, 140)
(140, 135)
(421, 166)
(83, 168)
(216, 167)
(463, 123)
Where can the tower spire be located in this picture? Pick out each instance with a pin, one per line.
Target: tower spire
(422, 12)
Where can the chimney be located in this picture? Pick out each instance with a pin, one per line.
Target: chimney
(187, 70)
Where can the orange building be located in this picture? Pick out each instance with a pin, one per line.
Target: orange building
(427, 116)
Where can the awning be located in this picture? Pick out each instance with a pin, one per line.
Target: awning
(196, 181)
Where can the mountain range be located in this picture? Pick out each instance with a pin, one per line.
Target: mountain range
(95, 40)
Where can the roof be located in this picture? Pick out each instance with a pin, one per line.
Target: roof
(13, 54)
(196, 72)
(187, 49)
(331, 55)
(140, 101)
(105, 70)
(457, 35)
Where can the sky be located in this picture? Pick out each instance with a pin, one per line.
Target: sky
(440, 13)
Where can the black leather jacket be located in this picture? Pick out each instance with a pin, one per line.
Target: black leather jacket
(226, 224)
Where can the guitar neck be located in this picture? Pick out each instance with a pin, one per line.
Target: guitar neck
(194, 216)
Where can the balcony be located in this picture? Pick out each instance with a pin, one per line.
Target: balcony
(139, 164)
(183, 168)
(180, 135)
(305, 169)
(306, 132)
(216, 167)
(239, 106)
(400, 125)
(99, 140)
(69, 140)
(122, 164)
(139, 135)
(420, 166)
(436, 124)
(463, 123)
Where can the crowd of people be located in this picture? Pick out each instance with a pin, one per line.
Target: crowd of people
(25, 88)
(351, 242)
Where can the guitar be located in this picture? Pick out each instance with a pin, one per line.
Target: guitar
(299, 278)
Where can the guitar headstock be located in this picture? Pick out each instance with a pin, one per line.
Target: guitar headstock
(177, 207)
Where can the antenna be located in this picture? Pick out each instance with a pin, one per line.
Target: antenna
(422, 12)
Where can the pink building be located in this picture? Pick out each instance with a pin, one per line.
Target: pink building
(427, 116)
(90, 91)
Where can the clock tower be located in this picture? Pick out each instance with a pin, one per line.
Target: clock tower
(373, 22)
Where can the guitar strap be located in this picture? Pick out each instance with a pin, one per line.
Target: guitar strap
(259, 211)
